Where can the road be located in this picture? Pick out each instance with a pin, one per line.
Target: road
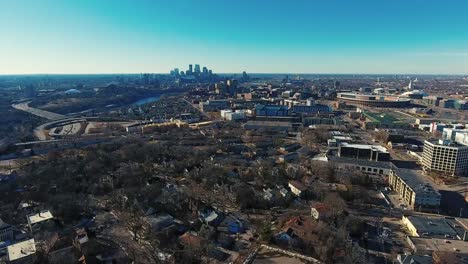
(38, 112)
(196, 108)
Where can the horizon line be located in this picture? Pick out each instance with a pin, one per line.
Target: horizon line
(225, 73)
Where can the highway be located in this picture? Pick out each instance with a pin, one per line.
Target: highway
(37, 112)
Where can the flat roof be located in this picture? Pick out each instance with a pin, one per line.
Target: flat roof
(342, 138)
(361, 162)
(39, 217)
(446, 143)
(363, 146)
(439, 244)
(433, 226)
(21, 250)
(414, 180)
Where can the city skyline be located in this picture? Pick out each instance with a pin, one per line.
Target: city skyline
(57, 37)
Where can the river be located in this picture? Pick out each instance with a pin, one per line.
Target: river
(147, 100)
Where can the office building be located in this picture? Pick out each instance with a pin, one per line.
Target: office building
(190, 69)
(245, 77)
(221, 88)
(232, 115)
(321, 119)
(310, 109)
(374, 168)
(367, 152)
(418, 195)
(197, 69)
(232, 87)
(214, 105)
(271, 110)
(450, 133)
(445, 156)
(432, 100)
(462, 138)
(461, 105)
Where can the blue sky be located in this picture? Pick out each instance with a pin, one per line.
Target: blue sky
(295, 36)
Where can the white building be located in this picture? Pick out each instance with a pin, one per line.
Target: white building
(445, 156)
(223, 113)
(38, 218)
(451, 133)
(462, 138)
(233, 116)
(22, 252)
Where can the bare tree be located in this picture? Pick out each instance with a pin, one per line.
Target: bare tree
(336, 204)
(134, 221)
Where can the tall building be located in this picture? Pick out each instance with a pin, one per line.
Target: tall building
(245, 77)
(197, 68)
(190, 69)
(220, 88)
(232, 87)
(445, 156)
(205, 71)
(336, 84)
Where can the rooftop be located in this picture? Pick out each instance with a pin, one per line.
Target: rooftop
(361, 162)
(362, 146)
(445, 227)
(271, 107)
(446, 143)
(298, 185)
(39, 217)
(439, 244)
(414, 180)
(21, 250)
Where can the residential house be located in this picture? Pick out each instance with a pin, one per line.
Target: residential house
(191, 241)
(211, 217)
(297, 188)
(231, 224)
(160, 222)
(321, 211)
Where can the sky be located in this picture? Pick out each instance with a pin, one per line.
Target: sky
(230, 36)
